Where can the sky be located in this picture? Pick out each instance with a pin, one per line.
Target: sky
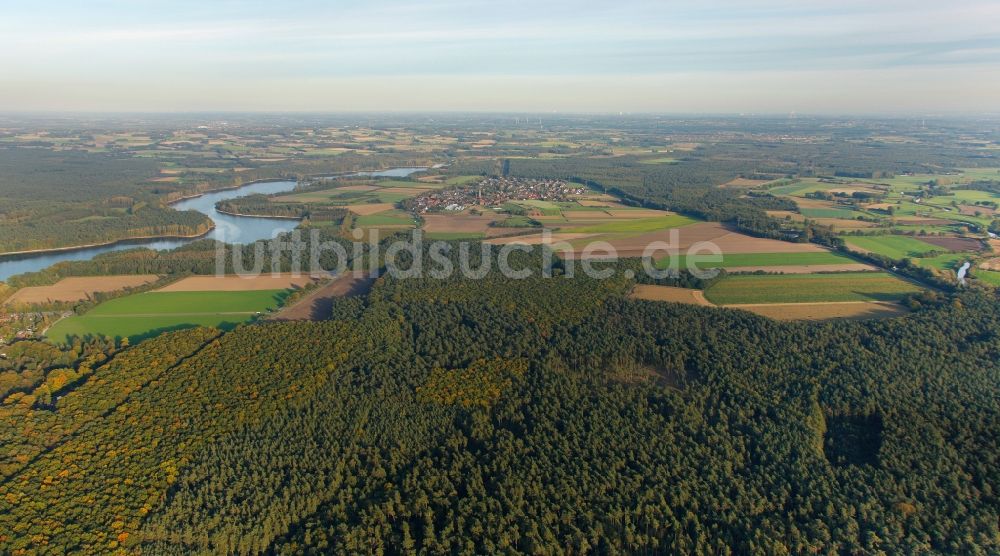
(633, 56)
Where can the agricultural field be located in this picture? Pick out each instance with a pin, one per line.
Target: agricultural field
(809, 288)
(77, 288)
(238, 283)
(147, 314)
(669, 293)
(893, 246)
(990, 277)
(625, 225)
(738, 260)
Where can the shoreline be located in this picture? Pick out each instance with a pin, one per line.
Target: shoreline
(13, 255)
(241, 215)
(217, 190)
(29, 252)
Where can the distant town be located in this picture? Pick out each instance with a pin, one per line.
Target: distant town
(492, 193)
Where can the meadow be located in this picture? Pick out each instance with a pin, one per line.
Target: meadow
(146, 314)
(896, 247)
(808, 288)
(735, 260)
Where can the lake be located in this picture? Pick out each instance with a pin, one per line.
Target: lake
(230, 229)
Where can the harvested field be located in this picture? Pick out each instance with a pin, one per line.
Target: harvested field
(921, 221)
(852, 310)
(77, 288)
(785, 214)
(955, 243)
(971, 210)
(729, 242)
(318, 305)
(357, 188)
(669, 293)
(368, 209)
(234, 283)
(743, 183)
(991, 264)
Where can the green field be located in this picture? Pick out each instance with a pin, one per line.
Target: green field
(147, 314)
(808, 288)
(638, 225)
(393, 218)
(732, 260)
(989, 276)
(895, 247)
(462, 180)
(948, 261)
(829, 213)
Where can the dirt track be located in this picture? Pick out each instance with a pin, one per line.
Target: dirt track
(318, 304)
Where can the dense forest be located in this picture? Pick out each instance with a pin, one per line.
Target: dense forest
(501, 416)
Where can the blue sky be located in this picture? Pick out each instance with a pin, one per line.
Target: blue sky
(634, 56)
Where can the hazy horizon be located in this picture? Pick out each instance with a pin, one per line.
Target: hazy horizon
(775, 57)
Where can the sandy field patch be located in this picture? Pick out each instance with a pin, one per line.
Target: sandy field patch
(854, 310)
(78, 288)
(805, 268)
(669, 293)
(166, 179)
(235, 283)
(318, 305)
(366, 209)
(459, 223)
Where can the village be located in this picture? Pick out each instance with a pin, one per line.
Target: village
(22, 326)
(493, 192)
